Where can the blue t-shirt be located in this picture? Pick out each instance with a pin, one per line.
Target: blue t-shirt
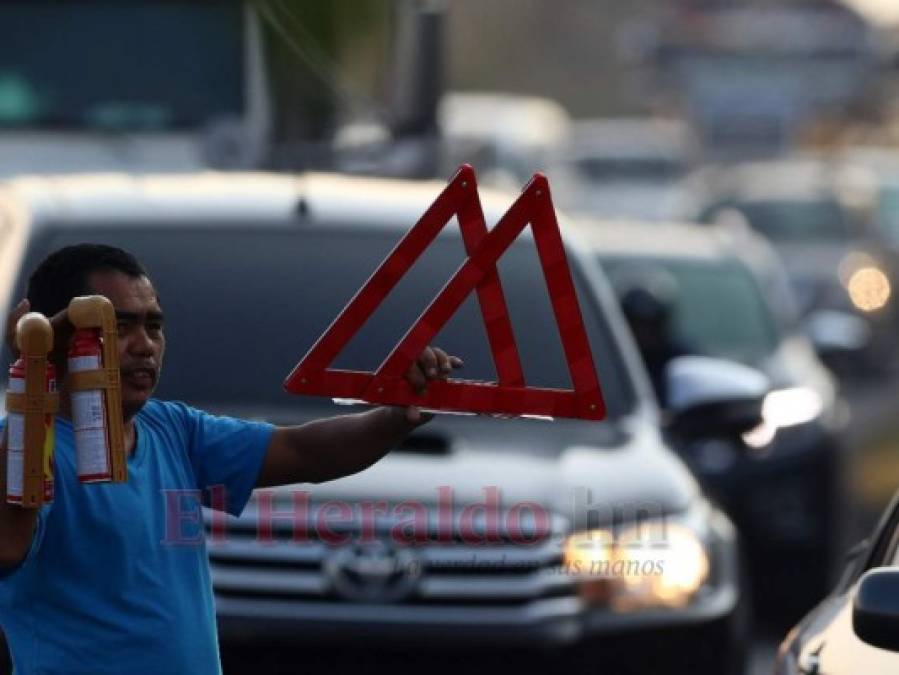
(117, 579)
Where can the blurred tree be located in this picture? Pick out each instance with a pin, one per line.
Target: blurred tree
(326, 62)
(577, 52)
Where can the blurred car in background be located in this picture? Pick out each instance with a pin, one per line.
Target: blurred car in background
(626, 168)
(817, 216)
(505, 136)
(714, 291)
(252, 269)
(882, 166)
(66, 107)
(856, 628)
(753, 76)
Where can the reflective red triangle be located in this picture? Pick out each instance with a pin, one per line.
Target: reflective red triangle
(508, 396)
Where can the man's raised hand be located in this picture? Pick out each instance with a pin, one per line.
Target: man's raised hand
(17, 313)
(432, 364)
(62, 330)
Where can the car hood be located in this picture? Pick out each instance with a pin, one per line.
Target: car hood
(46, 153)
(565, 466)
(641, 200)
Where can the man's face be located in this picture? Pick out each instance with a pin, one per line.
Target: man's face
(141, 339)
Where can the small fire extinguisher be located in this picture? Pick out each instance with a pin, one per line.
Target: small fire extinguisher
(15, 450)
(89, 420)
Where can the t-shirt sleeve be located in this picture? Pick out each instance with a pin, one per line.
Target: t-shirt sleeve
(226, 453)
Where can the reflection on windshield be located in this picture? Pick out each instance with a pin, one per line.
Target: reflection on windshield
(119, 66)
(797, 220)
(718, 307)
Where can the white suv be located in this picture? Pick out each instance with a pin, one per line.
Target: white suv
(250, 270)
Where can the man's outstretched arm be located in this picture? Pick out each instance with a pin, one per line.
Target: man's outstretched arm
(334, 447)
(16, 524)
(339, 446)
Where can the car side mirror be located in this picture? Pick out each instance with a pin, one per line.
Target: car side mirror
(875, 610)
(709, 398)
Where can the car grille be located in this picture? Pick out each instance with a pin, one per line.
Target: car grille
(372, 569)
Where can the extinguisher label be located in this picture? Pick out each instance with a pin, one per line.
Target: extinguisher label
(89, 422)
(16, 432)
(15, 470)
(15, 448)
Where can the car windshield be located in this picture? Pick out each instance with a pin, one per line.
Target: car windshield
(718, 309)
(243, 305)
(798, 220)
(102, 65)
(623, 169)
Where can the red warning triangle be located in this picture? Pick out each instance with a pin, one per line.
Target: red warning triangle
(510, 395)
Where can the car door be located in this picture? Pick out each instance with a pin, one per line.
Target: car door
(836, 649)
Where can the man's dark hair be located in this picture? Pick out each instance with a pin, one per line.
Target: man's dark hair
(64, 274)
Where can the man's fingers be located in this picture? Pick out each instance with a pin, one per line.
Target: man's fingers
(443, 362)
(415, 416)
(416, 378)
(17, 313)
(427, 361)
(62, 331)
(433, 363)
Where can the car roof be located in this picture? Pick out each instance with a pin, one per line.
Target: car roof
(629, 137)
(221, 199)
(668, 240)
(505, 119)
(796, 178)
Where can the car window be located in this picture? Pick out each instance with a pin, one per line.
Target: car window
(718, 307)
(621, 169)
(243, 305)
(798, 220)
(134, 83)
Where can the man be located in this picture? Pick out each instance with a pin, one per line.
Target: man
(648, 305)
(89, 584)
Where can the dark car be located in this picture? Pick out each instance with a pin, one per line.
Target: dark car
(726, 296)
(856, 628)
(817, 216)
(251, 270)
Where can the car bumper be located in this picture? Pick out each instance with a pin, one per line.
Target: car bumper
(546, 623)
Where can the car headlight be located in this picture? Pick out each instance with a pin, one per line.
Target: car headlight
(783, 408)
(867, 284)
(653, 564)
(869, 289)
(791, 407)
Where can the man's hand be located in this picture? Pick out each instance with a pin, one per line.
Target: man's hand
(432, 364)
(62, 330)
(17, 313)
